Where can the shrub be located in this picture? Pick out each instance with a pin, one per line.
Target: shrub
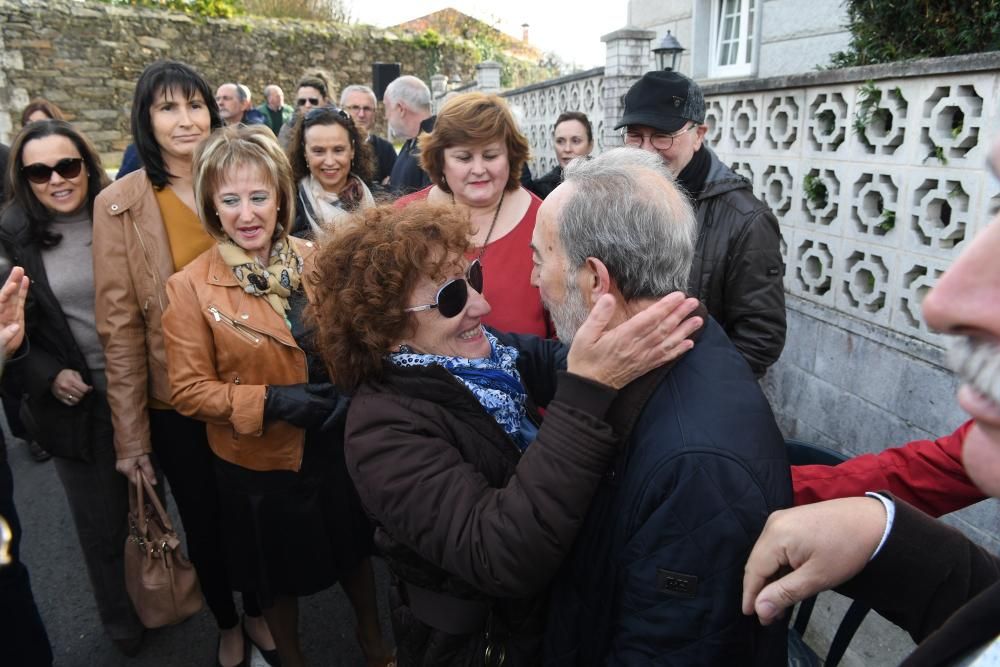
(890, 30)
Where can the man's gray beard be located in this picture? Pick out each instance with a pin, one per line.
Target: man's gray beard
(570, 315)
(977, 364)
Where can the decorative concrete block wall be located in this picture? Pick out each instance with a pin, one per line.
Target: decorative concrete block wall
(541, 104)
(877, 177)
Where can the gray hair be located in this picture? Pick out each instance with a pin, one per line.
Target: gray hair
(626, 211)
(409, 90)
(243, 92)
(357, 88)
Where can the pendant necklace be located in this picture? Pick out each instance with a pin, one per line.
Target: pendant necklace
(493, 224)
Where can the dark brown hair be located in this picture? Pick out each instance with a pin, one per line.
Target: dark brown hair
(363, 162)
(19, 190)
(365, 275)
(579, 117)
(473, 119)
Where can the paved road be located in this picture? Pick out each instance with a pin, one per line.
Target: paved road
(62, 591)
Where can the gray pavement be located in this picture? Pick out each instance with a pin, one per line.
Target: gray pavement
(62, 591)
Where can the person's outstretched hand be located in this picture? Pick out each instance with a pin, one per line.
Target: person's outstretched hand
(12, 296)
(615, 357)
(824, 545)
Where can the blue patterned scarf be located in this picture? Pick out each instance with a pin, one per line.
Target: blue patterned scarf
(494, 381)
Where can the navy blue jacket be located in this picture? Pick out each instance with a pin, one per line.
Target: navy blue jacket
(655, 576)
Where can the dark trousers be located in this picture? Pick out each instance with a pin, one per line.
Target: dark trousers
(98, 501)
(23, 640)
(182, 451)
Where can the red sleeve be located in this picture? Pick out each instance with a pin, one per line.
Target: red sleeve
(928, 474)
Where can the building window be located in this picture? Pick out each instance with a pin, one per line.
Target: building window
(733, 38)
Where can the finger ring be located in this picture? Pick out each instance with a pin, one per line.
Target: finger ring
(70, 397)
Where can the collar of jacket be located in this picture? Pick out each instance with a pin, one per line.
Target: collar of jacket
(721, 179)
(632, 398)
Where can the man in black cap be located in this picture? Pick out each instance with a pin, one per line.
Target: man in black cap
(737, 268)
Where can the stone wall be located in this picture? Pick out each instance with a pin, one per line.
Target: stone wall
(86, 57)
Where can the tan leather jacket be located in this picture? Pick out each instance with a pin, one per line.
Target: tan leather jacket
(132, 262)
(224, 347)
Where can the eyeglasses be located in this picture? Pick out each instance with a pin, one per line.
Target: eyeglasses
(68, 167)
(661, 141)
(452, 296)
(311, 100)
(357, 108)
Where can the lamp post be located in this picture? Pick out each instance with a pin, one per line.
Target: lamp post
(668, 53)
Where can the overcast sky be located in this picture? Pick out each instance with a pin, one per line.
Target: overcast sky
(573, 34)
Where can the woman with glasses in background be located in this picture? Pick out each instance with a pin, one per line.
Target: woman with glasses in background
(145, 229)
(573, 137)
(313, 91)
(53, 178)
(239, 359)
(332, 166)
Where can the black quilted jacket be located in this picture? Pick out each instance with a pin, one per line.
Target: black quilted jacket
(655, 576)
(737, 268)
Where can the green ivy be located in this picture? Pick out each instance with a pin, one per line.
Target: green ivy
(206, 8)
(815, 191)
(890, 30)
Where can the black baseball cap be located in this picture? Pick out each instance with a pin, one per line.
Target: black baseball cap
(664, 101)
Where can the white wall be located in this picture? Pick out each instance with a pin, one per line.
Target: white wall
(797, 36)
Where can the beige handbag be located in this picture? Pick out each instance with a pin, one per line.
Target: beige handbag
(160, 581)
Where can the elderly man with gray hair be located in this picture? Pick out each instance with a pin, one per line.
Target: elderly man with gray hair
(656, 571)
(408, 113)
(360, 102)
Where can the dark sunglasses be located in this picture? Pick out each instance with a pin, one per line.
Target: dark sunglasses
(452, 296)
(68, 167)
(319, 112)
(311, 100)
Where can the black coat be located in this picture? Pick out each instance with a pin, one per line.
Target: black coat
(737, 269)
(544, 185)
(407, 176)
(933, 582)
(656, 571)
(60, 429)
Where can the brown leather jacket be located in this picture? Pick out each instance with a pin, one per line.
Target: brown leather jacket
(224, 347)
(132, 262)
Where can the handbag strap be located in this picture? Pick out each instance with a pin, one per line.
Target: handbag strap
(142, 483)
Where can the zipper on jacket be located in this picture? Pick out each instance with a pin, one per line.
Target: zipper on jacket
(239, 328)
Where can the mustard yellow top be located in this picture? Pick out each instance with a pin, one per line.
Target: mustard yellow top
(188, 238)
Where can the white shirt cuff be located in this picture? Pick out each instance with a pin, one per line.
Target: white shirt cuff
(890, 515)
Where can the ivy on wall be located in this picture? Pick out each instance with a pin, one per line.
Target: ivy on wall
(891, 30)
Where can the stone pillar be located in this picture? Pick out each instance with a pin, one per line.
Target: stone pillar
(439, 87)
(629, 56)
(488, 77)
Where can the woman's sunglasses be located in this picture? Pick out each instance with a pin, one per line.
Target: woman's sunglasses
(311, 100)
(68, 167)
(453, 295)
(320, 112)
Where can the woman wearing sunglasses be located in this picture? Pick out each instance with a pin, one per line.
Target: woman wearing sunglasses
(332, 165)
(53, 177)
(476, 504)
(312, 92)
(474, 158)
(238, 359)
(145, 229)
